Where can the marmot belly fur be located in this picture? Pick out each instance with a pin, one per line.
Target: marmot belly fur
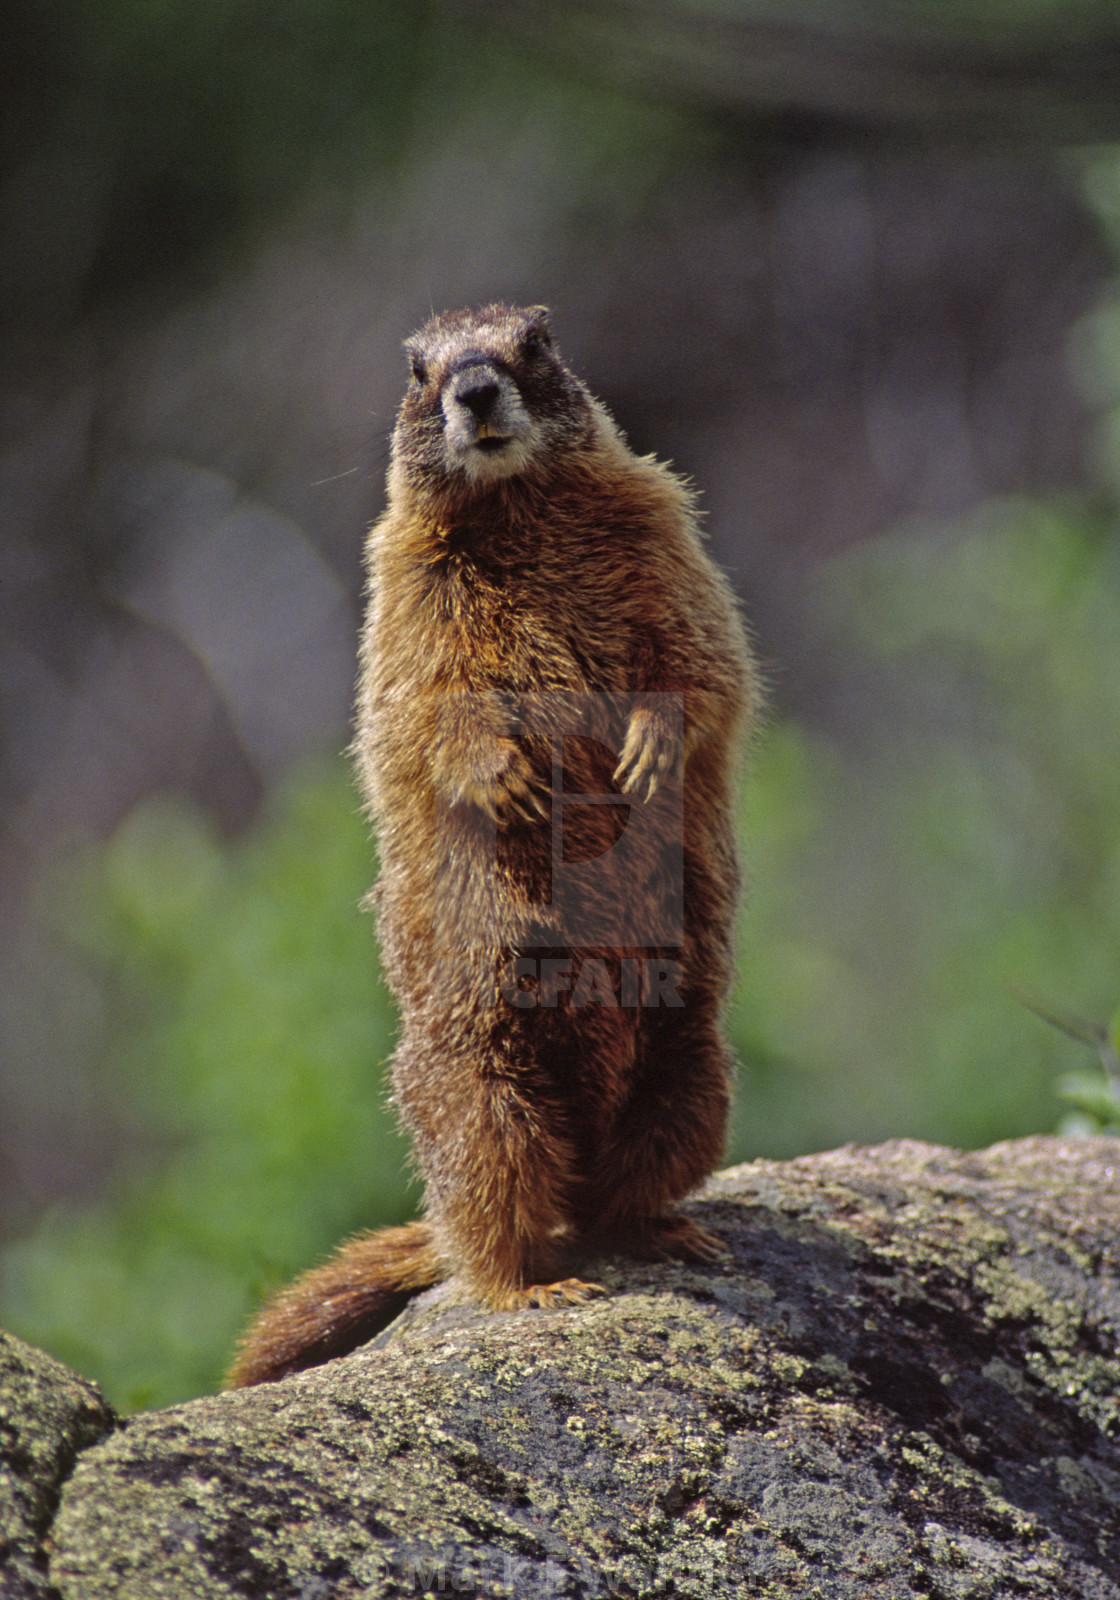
(554, 690)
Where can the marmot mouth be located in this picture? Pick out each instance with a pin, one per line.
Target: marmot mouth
(490, 443)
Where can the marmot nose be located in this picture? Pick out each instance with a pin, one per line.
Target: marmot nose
(477, 389)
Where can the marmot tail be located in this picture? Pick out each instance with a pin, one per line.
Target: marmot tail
(332, 1310)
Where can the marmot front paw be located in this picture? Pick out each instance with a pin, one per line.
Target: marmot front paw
(506, 786)
(652, 754)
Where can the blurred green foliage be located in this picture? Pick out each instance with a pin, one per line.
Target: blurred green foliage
(141, 144)
(1095, 1096)
(172, 127)
(247, 1027)
(962, 843)
(1095, 1099)
(965, 842)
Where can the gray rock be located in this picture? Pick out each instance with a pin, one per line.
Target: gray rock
(905, 1383)
(47, 1415)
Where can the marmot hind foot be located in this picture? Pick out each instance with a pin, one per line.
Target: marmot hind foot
(679, 1238)
(550, 1296)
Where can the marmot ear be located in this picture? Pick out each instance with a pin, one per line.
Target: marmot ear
(537, 333)
(415, 360)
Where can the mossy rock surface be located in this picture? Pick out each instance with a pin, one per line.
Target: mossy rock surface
(47, 1416)
(904, 1383)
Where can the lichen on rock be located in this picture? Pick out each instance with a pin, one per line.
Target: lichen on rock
(904, 1382)
(47, 1416)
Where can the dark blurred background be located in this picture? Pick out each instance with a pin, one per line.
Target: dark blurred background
(849, 265)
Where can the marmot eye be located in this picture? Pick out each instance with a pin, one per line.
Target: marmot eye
(535, 343)
(419, 370)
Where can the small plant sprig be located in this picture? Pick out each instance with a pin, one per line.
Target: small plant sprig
(1095, 1096)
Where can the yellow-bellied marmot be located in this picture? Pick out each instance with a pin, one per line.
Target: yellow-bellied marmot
(554, 688)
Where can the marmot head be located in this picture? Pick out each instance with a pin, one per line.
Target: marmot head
(489, 399)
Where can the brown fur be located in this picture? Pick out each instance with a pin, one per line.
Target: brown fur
(532, 577)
